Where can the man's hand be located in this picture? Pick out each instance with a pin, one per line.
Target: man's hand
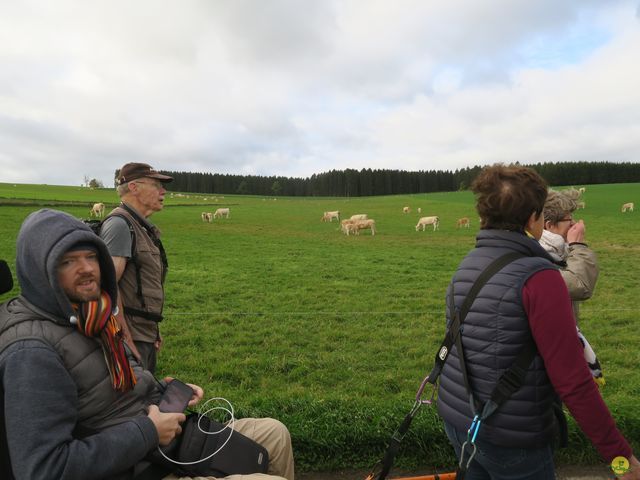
(168, 425)
(158, 343)
(198, 392)
(576, 232)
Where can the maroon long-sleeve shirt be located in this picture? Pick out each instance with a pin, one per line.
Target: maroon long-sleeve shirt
(546, 301)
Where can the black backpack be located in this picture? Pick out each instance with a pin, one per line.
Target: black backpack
(96, 227)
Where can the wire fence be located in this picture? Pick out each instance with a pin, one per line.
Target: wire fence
(583, 311)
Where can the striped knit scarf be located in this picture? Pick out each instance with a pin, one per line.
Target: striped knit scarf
(95, 320)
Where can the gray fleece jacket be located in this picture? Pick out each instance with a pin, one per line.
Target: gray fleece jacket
(63, 420)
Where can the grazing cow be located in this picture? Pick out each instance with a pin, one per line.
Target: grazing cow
(582, 190)
(329, 216)
(627, 206)
(462, 222)
(347, 226)
(354, 226)
(424, 221)
(221, 212)
(365, 224)
(580, 205)
(406, 210)
(419, 210)
(359, 216)
(207, 216)
(97, 210)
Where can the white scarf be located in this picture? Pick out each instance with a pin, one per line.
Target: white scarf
(555, 245)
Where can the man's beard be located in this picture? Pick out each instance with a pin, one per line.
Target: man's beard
(77, 296)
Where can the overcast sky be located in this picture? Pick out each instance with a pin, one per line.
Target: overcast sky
(296, 87)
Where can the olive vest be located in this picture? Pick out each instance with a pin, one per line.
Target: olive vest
(495, 331)
(142, 283)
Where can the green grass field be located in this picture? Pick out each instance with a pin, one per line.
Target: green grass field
(286, 317)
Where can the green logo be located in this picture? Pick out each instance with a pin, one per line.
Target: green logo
(620, 465)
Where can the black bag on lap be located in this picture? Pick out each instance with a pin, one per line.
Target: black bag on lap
(240, 455)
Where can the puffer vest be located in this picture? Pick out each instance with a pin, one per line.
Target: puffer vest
(496, 329)
(149, 281)
(99, 405)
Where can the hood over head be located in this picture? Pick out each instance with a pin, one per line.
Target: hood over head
(44, 237)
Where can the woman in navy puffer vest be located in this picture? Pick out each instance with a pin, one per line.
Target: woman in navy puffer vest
(527, 301)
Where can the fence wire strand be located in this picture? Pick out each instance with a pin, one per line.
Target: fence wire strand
(368, 312)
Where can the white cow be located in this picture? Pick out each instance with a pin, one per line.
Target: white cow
(582, 190)
(359, 216)
(406, 210)
(424, 221)
(365, 224)
(347, 226)
(221, 212)
(580, 205)
(97, 210)
(207, 216)
(419, 210)
(627, 206)
(329, 216)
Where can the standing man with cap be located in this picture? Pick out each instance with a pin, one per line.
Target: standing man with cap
(139, 258)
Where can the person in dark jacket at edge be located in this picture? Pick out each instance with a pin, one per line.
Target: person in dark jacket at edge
(77, 404)
(526, 301)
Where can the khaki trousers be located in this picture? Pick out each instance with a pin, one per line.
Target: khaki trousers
(273, 436)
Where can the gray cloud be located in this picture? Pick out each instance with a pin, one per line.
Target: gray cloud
(290, 87)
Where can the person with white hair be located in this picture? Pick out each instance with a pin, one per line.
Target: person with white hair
(563, 238)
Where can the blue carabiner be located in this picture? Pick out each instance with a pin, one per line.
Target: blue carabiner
(472, 433)
(472, 428)
(475, 433)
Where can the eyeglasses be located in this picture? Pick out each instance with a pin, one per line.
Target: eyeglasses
(157, 185)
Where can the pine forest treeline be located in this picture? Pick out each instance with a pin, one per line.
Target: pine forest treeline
(368, 182)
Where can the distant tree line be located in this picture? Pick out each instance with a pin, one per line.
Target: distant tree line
(368, 182)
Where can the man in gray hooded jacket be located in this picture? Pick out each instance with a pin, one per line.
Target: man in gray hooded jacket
(76, 403)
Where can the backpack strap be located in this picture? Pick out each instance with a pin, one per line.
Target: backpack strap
(155, 317)
(134, 257)
(152, 235)
(453, 332)
(511, 380)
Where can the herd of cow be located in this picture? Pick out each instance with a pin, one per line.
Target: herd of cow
(219, 213)
(349, 226)
(361, 221)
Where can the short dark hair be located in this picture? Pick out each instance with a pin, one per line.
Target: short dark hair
(506, 196)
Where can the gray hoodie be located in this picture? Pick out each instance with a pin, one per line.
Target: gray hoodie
(44, 237)
(51, 390)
